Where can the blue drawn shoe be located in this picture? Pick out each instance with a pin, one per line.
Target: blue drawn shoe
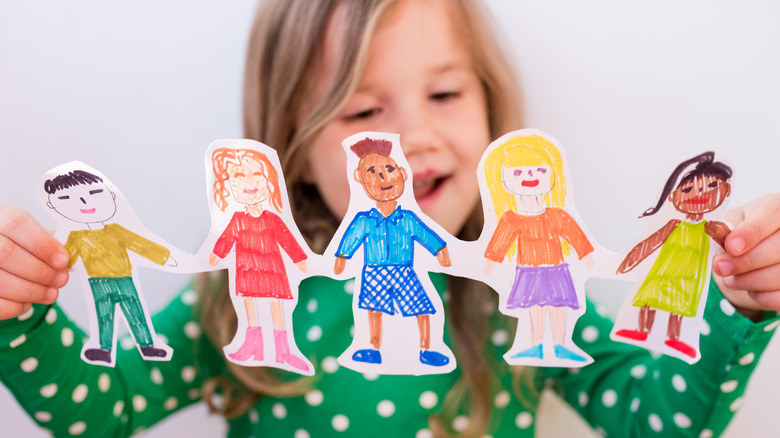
(433, 358)
(562, 352)
(368, 355)
(533, 352)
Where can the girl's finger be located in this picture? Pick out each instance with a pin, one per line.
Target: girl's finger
(767, 300)
(11, 309)
(762, 219)
(16, 260)
(20, 227)
(766, 279)
(23, 291)
(764, 254)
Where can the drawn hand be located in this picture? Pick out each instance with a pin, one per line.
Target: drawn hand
(488, 266)
(213, 259)
(443, 256)
(302, 266)
(33, 264)
(171, 262)
(341, 263)
(750, 267)
(588, 261)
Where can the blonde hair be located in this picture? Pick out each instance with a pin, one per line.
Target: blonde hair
(283, 56)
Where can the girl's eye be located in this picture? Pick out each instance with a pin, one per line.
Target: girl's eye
(258, 174)
(713, 184)
(444, 96)
(389, 168)
(541, 170)
(362, 114)
(517, 172)
(686, 189)
(238, 175)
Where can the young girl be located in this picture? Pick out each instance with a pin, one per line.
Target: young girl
(318, 71)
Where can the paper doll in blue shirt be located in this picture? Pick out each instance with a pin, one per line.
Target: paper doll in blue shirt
(388, 233)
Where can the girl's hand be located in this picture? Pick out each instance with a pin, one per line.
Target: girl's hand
(32, 263)
(213, 259)
(749, 270)
(302, 266)
(488, 266)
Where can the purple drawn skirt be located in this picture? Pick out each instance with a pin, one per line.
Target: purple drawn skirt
(543, 286)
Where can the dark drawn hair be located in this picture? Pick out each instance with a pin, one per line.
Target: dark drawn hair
(70, 179)
(372, 146)
(705, 166)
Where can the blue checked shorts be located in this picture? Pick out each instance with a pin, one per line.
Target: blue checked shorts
(383, 284)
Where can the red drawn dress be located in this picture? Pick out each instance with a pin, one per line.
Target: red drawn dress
(260, 269)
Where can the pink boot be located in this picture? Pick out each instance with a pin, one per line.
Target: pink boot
(283, 352)
(253, 346)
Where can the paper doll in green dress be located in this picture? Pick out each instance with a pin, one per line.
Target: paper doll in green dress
(676, 281)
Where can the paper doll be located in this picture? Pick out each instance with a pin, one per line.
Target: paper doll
(387, 232)
(89, 205)
(524, 174)
(676, 281)
(246, 178)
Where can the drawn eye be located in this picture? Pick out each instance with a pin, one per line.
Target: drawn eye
(541, 170)
(517, 172)
(713, 184)
(686, 189)
(63, 197)
(239, 175)
(371, 170)
(389, 168)
(258, 173)
(95, 192)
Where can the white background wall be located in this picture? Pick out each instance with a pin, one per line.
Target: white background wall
(630, 88)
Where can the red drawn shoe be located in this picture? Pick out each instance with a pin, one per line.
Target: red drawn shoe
(632, 334)
(681, 346)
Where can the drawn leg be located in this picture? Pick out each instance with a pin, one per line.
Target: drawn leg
(253, 340)
(673, 333)
(104, 308)
(283, 354)
(644, 323)
(427, 356)
(372, 355)
(536, 314)
(558, 323)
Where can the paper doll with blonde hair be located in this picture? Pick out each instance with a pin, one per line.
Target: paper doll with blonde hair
(248, 188)
(525, 175)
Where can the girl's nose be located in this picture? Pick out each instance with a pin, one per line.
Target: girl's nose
(418, 132)
(83, 201)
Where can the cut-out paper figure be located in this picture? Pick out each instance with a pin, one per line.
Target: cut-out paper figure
(245, 178)
(88, 202)
(526, 180)
(677, 278)
(388, 232)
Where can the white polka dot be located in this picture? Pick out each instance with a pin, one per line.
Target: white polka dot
(340, 423)
(18, 341)
(736, 404)
(446, 296)
(771, 326)
(77, 428)
(638, 371)
(573, 371)
(51, 316)
(655, 355)
(524, 420)
(104, 382)
(747, 359)
(29, 365)
(682, 420)
(370, 376)
(26, 315)
(679, 383)
(601, 310)
(162, 338)
(706, 433)
(42, 416)
(254, 417)
(428, 399)
(330, 364)
(156, 376)
(460, 423)
(193, 393)
(499, 338)
(314, 333)
(118, 408)
(352, 331)
(705, 328)
(655, 422)
(385, 408)
(728, 368)
(80, 393)
(729, 386)
(313, 397)
(311, 306)
(656, 374)
(349, 286)
(424, 433)
(278, 410)
(300, 433)
(189, 297)
(127, 343)
(609, 398)
(635, 404)
(139, 430)
(583, 398)
(170, 404)
(600, 430)
(49, 390)
(192, 330)
(502, 399)
(188, 374)
(590, 334)
(139, 403)
(67, 337)
(726, 307)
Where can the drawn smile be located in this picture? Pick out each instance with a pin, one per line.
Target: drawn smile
(251, 191)
(531, 183)
(698, 201)
(387, 188)
(87, 210)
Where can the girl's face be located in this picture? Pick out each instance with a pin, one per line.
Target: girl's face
(418, 82)
(700, 195)
(528, 180)
(249, 184)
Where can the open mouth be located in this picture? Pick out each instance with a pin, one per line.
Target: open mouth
(424, 188)
(87, 210)
(530, 183)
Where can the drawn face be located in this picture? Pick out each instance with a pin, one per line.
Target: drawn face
(528, 180)
(84, 203)
(701, 195)
(418, 82)
(381, 177)
(248, 182)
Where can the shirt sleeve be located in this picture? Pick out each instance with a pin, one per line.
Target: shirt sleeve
(42, 367)
(227, 239)
(502, 239)
(354, 236)
(627, 391)
(572, 233)
(142, 246)
(425, 235)
(286, 240)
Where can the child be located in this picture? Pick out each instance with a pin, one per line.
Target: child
(317, 72)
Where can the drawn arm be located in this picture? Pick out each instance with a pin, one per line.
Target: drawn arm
(505, 234)
(142, 246)
(286, 240)
(647, 247)
(718, 231)
(73, 251)
(226, 240)
(426, 236)
(573, 234)
(354, 236)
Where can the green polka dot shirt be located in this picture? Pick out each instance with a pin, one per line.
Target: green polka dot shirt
(626, 392)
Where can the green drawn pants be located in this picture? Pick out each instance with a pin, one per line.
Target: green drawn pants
(110, 291)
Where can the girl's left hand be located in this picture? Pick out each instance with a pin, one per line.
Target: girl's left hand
(748, 272)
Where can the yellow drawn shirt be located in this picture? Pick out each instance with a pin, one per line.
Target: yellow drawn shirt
(104, 251)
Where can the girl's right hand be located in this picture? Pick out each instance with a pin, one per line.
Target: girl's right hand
(33, 264)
